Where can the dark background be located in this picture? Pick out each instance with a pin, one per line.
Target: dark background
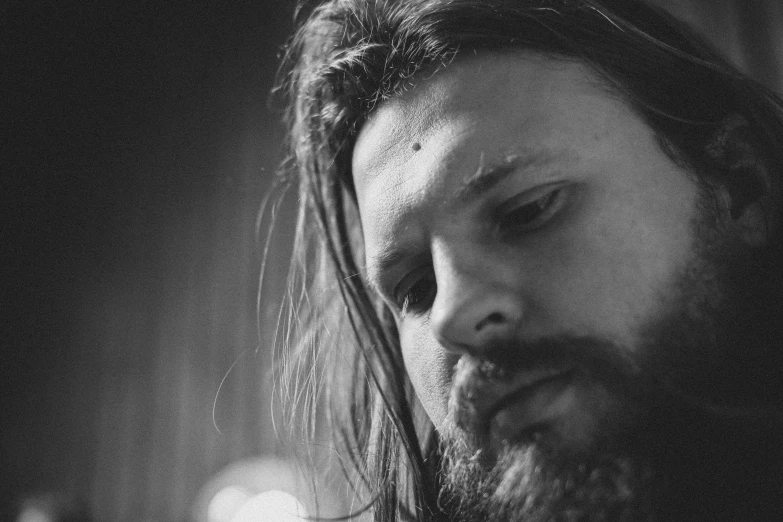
(137, 145)
(137, 142)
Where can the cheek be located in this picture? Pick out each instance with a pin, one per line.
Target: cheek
(429, 367)
(621, 262)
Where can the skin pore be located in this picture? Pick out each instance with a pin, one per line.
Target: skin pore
(547, 263)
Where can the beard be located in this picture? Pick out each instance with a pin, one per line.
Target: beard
(697, 428)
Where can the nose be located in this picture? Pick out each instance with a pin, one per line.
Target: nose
(478, 301)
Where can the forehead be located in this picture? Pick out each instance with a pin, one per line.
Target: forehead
(513, 93)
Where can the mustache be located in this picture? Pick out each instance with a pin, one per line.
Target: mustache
(619, 369)
(614, 366)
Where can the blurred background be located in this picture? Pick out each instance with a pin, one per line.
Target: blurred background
(137, 143)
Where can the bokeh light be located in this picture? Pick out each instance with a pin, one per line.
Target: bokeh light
(271, 506)
(226, 503)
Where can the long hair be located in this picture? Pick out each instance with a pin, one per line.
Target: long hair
(339, 347)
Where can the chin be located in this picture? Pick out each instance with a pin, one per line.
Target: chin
(536, 481)
(677, 465)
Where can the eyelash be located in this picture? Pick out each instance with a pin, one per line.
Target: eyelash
(409, 302)
(418, 297)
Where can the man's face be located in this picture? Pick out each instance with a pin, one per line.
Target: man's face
(536, 205)
(522, 221)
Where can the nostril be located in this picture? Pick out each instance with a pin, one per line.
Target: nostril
(493, 318)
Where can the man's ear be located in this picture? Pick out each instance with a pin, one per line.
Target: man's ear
(743, 182)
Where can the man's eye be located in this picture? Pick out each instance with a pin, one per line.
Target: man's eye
(418, 297)
(531, 214)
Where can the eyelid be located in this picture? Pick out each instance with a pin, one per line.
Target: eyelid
(529, 196)
(385, 277)
(509, 219)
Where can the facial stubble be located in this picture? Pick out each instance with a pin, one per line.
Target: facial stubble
(684, 441)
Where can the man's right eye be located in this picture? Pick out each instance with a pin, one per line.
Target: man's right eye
(418, 296)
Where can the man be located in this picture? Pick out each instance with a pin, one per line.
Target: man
(545, 235)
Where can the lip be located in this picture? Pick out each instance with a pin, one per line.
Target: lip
(526, 412)
(494, 406)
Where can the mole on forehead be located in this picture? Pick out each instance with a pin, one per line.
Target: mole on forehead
(416, 146)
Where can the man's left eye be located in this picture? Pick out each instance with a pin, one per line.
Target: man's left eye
(530, 214)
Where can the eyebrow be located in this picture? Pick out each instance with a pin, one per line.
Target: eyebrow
(487, 176)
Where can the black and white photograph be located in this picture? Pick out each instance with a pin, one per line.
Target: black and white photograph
(391, 260)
